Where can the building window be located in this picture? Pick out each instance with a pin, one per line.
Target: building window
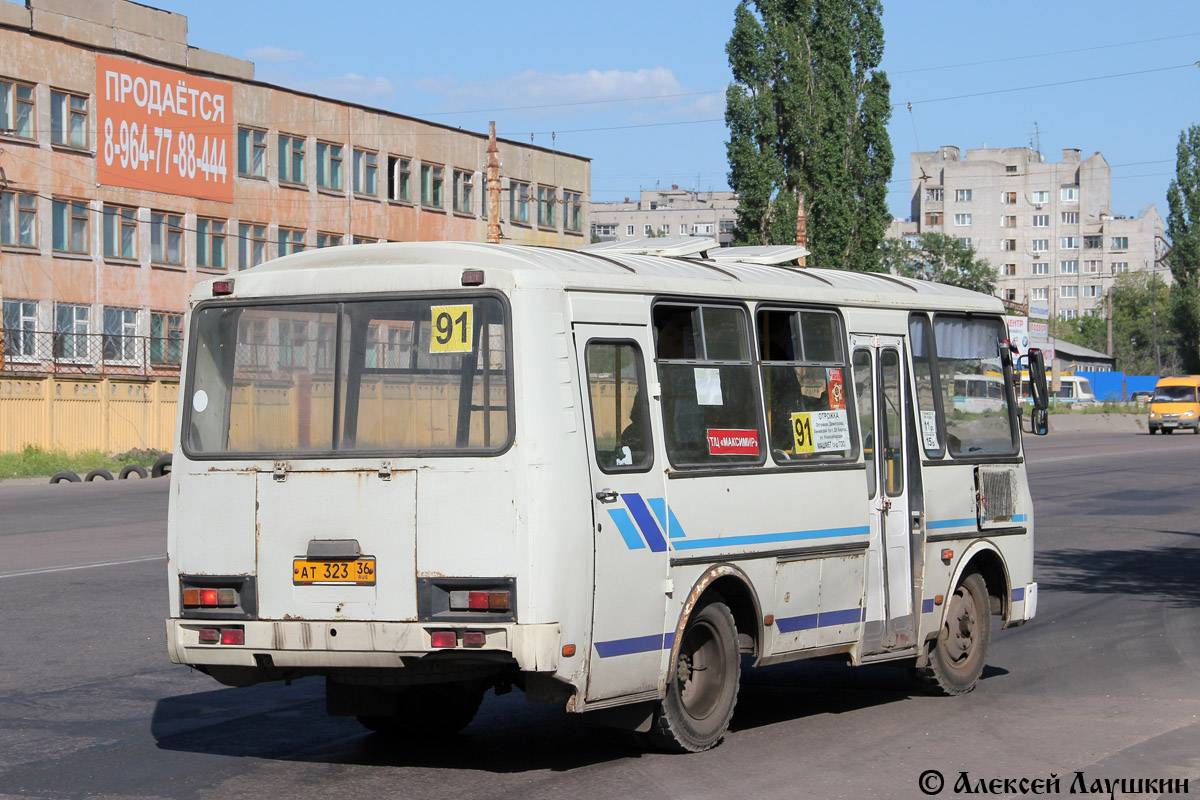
(1040, 198)
(70, 226)
(291, 240)
(1008, 198)
(962, 219)
(1119, 267)
(1093, 242)
(962, 195)
(1040, 268)
(252, 153)
(1039, 245)
(399, 179)
(329, 239)
(329, 166)
(1068, 268)
(723, 226)
(1008, 222)
(18, 219)
(71, 330)
(120, 232)
(665, 230)
(647, 230)
(252, 245)
(964, 240)
(366, 173)
(166, 238)
(1010, 295)
(16, 109)
(1039, 293)
(573, 211)
(933, 218)
(1010, 168)
(1068, 292)
(934, 194)
(291, 159)
(1069, 217)
(68, 119)
(545, 206)
(1008, 245)
(210, 243)
(461, 191)
(20, 328)
(1008, 269)
(683, 229)
(1091, 266)
(603, 230)
(629, 230)
(1069, 243)
(120, 334)
(1091, 290)
(1041, 220)
(1069, 194)
(518, 201)
(431, 185)
(362, 240)
(1118, 242)
(1068, 313)
(166, 338)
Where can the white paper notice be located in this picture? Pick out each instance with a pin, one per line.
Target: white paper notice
(708, 387)
(929, 430)
(830, 431)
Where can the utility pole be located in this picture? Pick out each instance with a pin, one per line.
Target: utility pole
(493, 186)
(801, 226)
(1109, 313)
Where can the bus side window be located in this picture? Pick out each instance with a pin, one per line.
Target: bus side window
(620, 412)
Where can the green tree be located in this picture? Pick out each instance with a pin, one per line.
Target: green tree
(1144, 341)
(1183, 229)
(807, 113)
(939, 258)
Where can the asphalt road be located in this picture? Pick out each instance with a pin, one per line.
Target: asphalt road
(1105, 681)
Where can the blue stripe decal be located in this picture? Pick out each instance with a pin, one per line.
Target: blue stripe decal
(767, 538)
(1018, 594)
(951, 523)
(666, 517)
(625, 647)
(1020, 517)
(824, 619)
(645, 522)
(927, 606)
(626, 527)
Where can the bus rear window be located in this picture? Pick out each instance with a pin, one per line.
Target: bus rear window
(428, 375)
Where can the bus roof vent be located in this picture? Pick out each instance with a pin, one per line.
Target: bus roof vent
(659, 246)
(766, 254)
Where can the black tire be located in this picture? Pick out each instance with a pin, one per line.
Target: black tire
(1168, 430)
(98, 473)
(133, 469)
(423, 712)
(957, 656)
(703, 688)
(65, 475)
(161, 467)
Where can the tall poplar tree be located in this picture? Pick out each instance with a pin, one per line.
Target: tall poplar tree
(1183, 229)
(807, 113)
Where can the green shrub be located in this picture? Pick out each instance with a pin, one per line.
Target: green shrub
(33, 462)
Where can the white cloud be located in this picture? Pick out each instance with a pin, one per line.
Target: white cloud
(273, 54)
(350, 86)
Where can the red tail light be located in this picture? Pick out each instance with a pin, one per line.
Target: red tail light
(474, 639)
(233, 636)
(208, 635)
(444, 639)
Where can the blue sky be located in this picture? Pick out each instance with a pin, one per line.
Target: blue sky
(639, 87)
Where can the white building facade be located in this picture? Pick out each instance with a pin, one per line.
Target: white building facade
(670, 212)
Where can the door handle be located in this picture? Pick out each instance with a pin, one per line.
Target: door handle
(607, 495)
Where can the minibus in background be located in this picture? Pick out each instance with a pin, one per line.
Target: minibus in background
(1175, 404)
(422, 471)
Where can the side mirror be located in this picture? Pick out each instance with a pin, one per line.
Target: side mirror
(1039, 422)
(1037, 379)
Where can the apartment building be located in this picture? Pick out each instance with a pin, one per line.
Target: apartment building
(666, 212)
(133, 165)
(1047, 227)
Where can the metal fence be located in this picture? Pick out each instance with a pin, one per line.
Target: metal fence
(101, 354)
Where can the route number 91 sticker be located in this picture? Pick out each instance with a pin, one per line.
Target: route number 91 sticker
(820, 431)
(453, 331)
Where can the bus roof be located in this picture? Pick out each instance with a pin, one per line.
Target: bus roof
(411, 266)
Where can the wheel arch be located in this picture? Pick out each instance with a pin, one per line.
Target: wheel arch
(986, 559)
(737, 591)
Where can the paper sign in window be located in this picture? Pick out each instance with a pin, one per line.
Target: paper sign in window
(929, 433)
(708, 387)
(820, 431)
(452, 330)
(837, 392)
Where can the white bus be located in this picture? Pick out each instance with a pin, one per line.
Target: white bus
(426, 470)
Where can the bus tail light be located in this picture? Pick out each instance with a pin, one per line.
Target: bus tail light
(480, 600)
(222, 288)
(474, 639)
(233, 636)
(443, 638)
(208, 635)
(210, 598)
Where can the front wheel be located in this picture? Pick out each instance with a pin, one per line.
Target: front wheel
(959, 653)
(695, 714)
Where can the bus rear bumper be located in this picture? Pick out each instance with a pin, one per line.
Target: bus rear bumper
(340, 644)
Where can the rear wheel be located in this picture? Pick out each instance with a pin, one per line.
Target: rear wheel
(959, 653)
(429, 711)
(1168, 430)
(695, 714)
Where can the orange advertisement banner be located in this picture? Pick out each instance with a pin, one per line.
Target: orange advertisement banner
(163, 130)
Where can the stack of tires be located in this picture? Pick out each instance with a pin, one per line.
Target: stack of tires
(161, 467)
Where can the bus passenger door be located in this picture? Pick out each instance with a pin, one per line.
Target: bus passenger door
(878, 365)
(628, 510)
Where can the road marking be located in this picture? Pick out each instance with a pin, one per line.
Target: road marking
(80, 566)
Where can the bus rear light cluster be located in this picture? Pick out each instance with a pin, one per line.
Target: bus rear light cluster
(480, 600)
(210, 598)
(221, 635)
(441, 639)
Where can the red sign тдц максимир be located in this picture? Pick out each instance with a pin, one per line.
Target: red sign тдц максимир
(164, 131)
